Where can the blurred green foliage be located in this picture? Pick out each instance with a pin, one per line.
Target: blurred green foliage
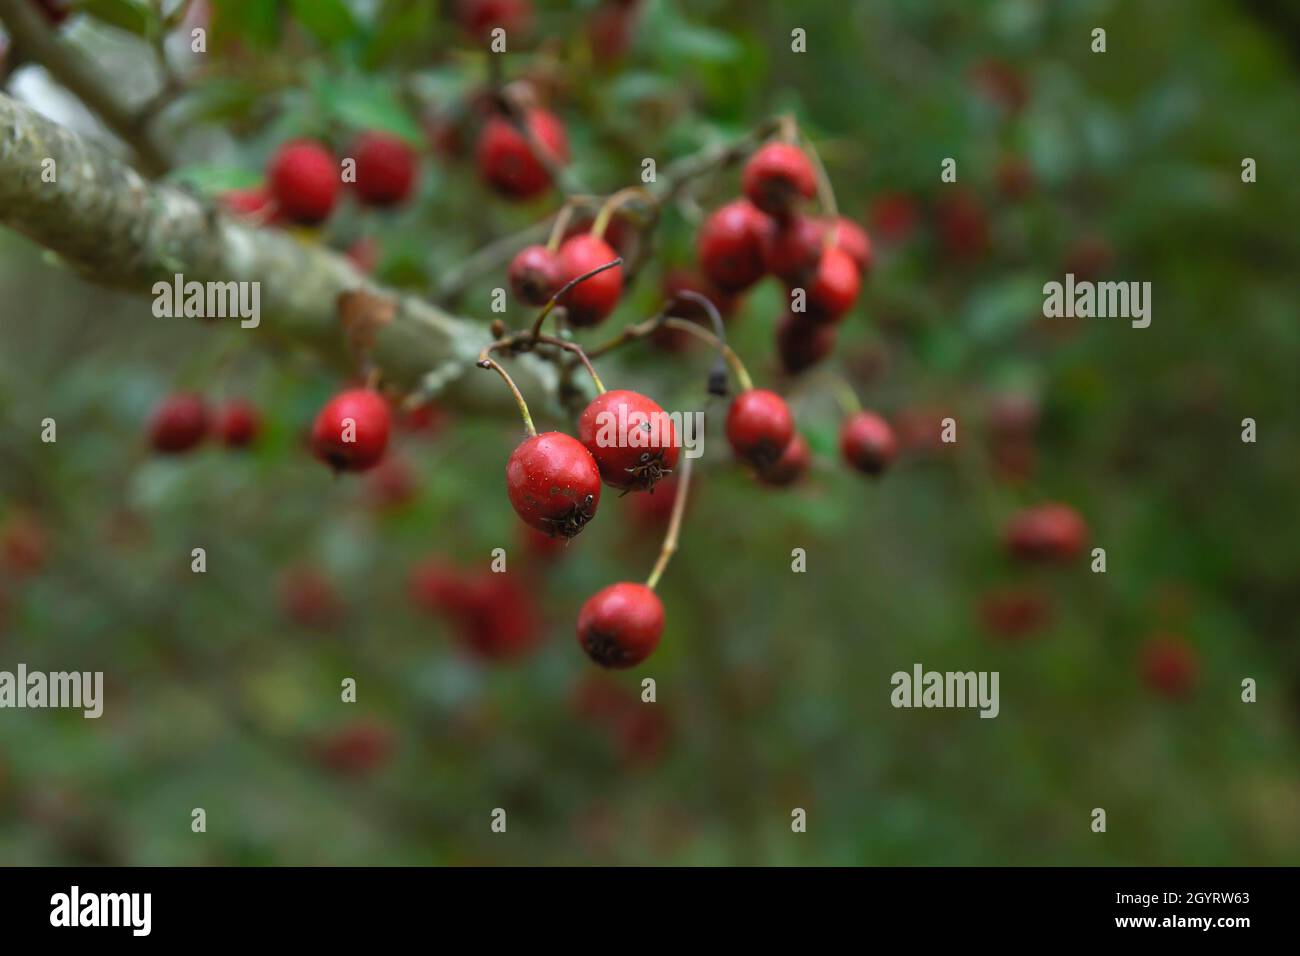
(773, 687)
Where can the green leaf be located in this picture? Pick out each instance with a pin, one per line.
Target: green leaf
(215, 179)
(329, 21)
(133, 16)
(363, 104)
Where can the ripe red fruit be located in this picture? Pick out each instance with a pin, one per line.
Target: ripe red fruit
(777, 176)
(237, 423)
(894, 217)
(802, 342)
(392, 483)
(179, 423)
(590, 301)
(683, 280)
(534, 275)
(653, 510)
(553, 483)
(1169, 666)
(355, 749)
(309, 598)
(791, 466)
(759, 426)
(543, 547)
(1046, 532)
(867, 443)
(792, 250)
(854, 240)
(506, 159)
(440, 588)
(494, 615)
(730, 246)
(351, 432)
(429, 418)
(834, 286)
(24, 545)
(963, 226)
(304, 181)
(480, 17)
(386, 168)
(1013, 613)
(632, 439)
(610, 30)
(619, 626)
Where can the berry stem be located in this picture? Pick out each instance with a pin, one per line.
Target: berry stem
(674, 526)
(640, 330)
(485, 360)
(559, 226)
(612, 205)
(576, 349)
(546, 309)
(845, 396)
(825, 191)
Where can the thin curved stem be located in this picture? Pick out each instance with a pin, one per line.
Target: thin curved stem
(577, 350)
(669, 547)
(546, 309)
(612, 204)
(485, 360)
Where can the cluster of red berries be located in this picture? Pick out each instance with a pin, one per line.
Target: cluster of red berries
(765, 233)
(494, 615)
(183, 420)
(304, 180)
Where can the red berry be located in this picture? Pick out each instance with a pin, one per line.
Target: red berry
(590, 301)
(632, 439)
(653, 510)
(834, 286)
(309, 598)
(351, 431)
(793, 249)
(1013, 613)
(179, 423)
(541, 546)
(894, 217)
(1046, 532)
(429, 417)
(1169, 666)
(255, 203)
(356, 749)
(854, 240)
(802, 342)
(730, 246)
(505, 623)
(24, 545)
(553, 483)
(759, 426)
(304, 180)
(963, 226)
(610, 30)
(505, 156)
(480, 17)
(386, 169)
(867, 443)
(535, 275)
(620, 625)
(791, 466)
(777, 176)
(238, 423)
(437, 587)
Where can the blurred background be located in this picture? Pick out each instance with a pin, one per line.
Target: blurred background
(1119, 690)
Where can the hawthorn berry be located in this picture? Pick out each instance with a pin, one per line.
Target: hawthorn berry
(304, 180)
(682, 280)
(802, 342)
(392, 483)
(237, 423)
(494, 615)
(730, 246)
(963, 226)
(179, 423)
(480, 17)
(553, 483)
(590, 301)
(790, 467)
(1013, 613)
(792, 250)
(655, 509)
(632, 439)
(1169, 666)
(833, 286)
(867, 443)
(505, 156)
(619, 626)
(759, 427)
(1047, 532)
(777, 176)
(854, 240)
(351, 432)
(534, 275)
(355, 749)
(386, 168)
(894, 217)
